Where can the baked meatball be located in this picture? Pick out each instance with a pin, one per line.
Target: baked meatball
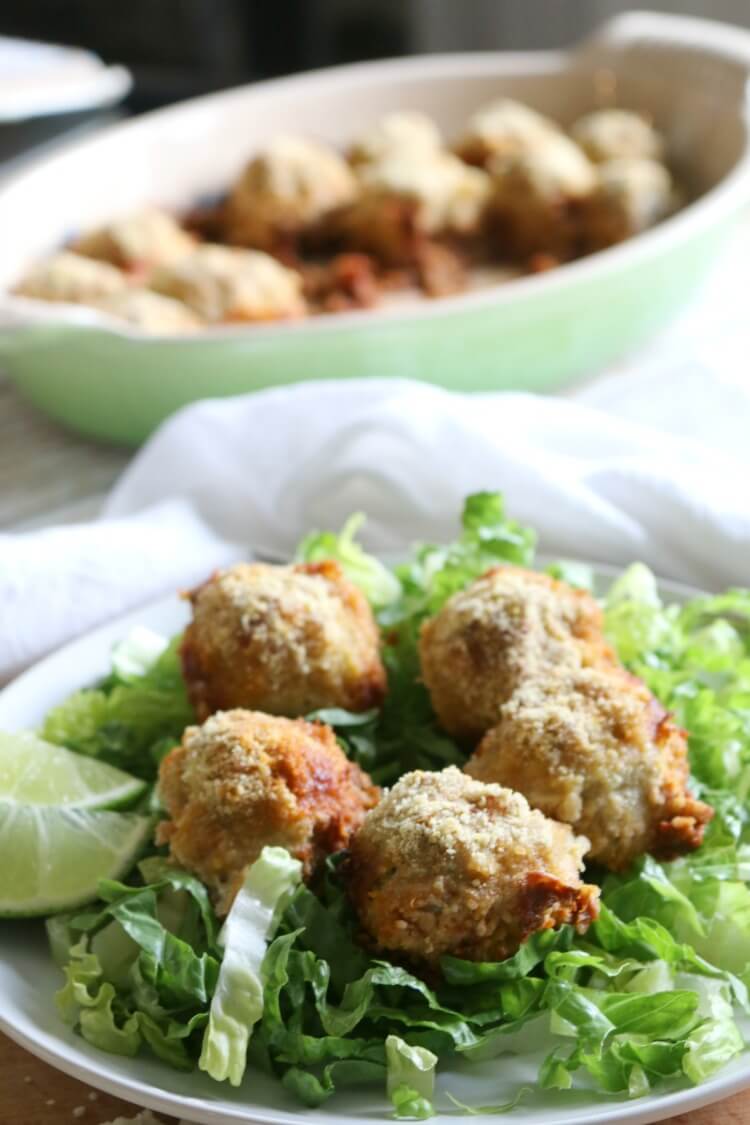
(448, 865)
(282, 639)
(220, 283)
(504, 128)
(630, 196)
(405, 131)
(69, 277)
(508, 626)
(612, 134)
(137, 242)
(449, 196)
(407, 197)
(536, 197)
(593, 748)
(149, 311)
(286, 189)
(243, 781)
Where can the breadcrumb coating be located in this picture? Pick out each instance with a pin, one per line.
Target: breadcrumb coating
(448, 865)
(290, 185)
(137, 242)
(283, 639)
(149, 311)
(70, 277)
(244, 780)
(505, 128)
(509, 626)
(403, 131)
(220, 283)
(406, 198)
(449, 195)
(631, 195)
(593, 748)
(613, 134)
(536, 196)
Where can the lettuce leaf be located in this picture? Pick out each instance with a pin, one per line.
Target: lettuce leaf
(133, 716)
(709, 1047)
(379, 584)
(488, 537)
(237, 1002)
(141, 966)
(410, 1081)
(90, 1003)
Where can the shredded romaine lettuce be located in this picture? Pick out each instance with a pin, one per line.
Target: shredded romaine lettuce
(140, 967)
(377, 582)
(488, 537)
(237, 1002)
(133, 717)
(410, 1081)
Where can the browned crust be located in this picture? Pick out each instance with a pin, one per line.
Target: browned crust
(683, 823)
(312, 802)
(399, 921)
(448, 865)
(221, 677)
(545, 903)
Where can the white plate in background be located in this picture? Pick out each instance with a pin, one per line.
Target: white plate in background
(37, 79)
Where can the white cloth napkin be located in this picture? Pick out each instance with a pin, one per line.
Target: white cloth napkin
(225, 477)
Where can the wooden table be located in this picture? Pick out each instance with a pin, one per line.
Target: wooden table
(48, 476)
(32, 1093)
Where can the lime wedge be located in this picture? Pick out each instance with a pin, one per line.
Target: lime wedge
(33, 772)
(54, 857)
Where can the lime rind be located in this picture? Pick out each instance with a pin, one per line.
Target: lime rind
(34, 772)
(55, 857)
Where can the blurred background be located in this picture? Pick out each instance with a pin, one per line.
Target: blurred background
(177, 48)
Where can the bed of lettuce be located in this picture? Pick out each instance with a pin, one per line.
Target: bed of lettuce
(649, 996)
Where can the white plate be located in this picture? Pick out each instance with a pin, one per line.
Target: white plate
(28, 980)
(37, 79)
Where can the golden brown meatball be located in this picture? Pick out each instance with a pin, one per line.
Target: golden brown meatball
(593, 748)
(403, 131)
(72, 278)
(630, 196)
(612, 134)
(245, 780)
(448, 865)
(505, 128)
(536, 197)
(408, 196)
(284, 190)
(149, 311)
(137, 242)
(223, 284)
(509, 626)
(282, 639)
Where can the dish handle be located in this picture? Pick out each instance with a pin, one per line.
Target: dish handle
(711, 53)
